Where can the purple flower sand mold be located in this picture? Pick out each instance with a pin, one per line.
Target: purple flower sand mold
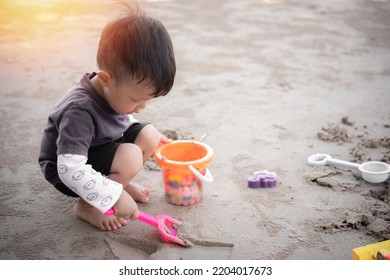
(262, 179)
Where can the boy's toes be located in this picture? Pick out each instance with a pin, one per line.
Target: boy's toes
(120, 222)
(144, 195)
(138, 193)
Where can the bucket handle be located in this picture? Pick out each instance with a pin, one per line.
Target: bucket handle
(206, 178)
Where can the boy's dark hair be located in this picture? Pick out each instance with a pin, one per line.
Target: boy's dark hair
(139, 47)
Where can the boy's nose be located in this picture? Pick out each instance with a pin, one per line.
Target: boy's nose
(143, 105)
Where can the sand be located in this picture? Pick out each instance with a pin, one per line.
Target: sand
(264, 83)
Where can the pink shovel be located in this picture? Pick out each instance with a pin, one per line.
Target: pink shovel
(166, 225)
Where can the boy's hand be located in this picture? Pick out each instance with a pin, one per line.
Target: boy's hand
(126, 207)
(164, 140)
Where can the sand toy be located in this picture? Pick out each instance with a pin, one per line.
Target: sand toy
(166, 225)
(371, 171)
(262, 179)
(376, 251)
(184, 170)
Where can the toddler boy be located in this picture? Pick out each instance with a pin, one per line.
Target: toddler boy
(90, 147)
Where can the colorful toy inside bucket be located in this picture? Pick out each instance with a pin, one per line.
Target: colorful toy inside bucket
(184, 170)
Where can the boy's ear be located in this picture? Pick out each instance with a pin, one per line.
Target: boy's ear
(104, 77)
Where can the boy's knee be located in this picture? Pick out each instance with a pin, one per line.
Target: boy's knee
(129, 158)
(131, 152)
(148, 139)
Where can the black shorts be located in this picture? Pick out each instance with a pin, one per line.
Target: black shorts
(101, 157)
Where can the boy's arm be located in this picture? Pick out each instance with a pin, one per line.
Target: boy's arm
(90, 185)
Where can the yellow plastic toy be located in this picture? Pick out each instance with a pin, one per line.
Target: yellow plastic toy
(375, 251)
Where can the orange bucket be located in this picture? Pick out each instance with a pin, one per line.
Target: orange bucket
(184, 170)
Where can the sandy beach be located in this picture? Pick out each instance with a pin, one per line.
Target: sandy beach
(265, 83)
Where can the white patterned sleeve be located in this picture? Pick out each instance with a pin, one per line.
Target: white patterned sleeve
(96, 189)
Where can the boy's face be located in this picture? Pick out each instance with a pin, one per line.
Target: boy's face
(129, 97)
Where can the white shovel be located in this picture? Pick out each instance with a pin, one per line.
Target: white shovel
(371, 171)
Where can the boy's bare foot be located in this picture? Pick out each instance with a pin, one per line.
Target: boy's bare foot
(88, 213)
(138, 192)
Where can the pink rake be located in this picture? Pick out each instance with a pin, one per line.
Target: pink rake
(166, 225)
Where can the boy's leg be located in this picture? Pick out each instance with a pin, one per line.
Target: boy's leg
(147, 139)
(121, 162)
(126, 161)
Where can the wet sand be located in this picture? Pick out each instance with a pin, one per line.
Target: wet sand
(264, 83)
